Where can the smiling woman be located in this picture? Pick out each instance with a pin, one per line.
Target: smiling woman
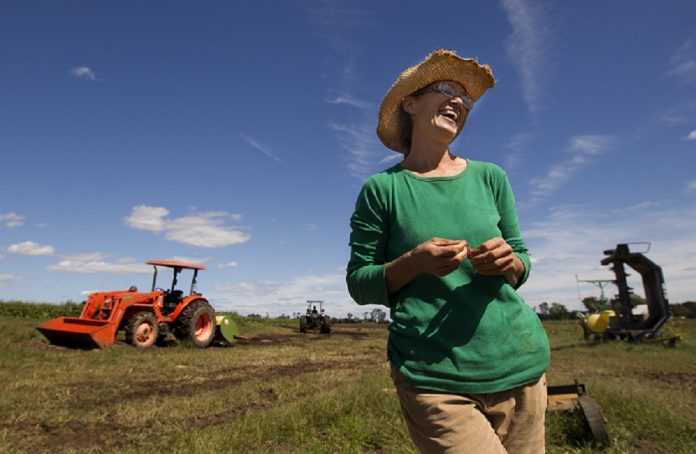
(436, 239)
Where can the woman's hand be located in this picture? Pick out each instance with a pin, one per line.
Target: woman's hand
(440, 256)
(496, 258)
(436, 256)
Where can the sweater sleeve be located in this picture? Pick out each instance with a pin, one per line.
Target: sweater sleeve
(509, 223)
(368, 239)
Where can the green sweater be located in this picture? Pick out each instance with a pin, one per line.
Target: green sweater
(464, 332)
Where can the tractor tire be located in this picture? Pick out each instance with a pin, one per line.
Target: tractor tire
(326, 325)
(142, 329)
(196, 324)
(303, 323)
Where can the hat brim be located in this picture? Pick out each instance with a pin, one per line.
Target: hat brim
(440, 65)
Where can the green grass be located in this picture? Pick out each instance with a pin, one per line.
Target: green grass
(647, 392)
(280, 391)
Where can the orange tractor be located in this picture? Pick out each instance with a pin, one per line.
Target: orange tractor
(145, 317)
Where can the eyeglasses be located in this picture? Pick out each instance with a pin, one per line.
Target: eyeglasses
(448, 90)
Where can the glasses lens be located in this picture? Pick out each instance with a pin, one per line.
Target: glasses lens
(448, 90)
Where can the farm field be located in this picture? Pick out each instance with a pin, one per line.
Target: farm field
(279, 391)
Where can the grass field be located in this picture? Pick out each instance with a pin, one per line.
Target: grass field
(281, 391)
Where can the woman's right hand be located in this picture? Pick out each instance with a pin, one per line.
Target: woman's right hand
(440, 256)
(436, 256)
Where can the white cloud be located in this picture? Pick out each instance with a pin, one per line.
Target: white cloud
(363, 147)
(291, 296)
(582, 149)
(691, 186)
(87, 257)
(9, 278)
(181, 258)
(671, 118)
(391, 158)
(249, 289)
(96, 263)
(682, 65)
(83, 72)
(692, 135)
(516, 146)
(350, 100)
(30, 248)
(12, 220)
(571, 241)
(205, 229)
(261, 148)
(337, 23)
(145, 217)
(590, 144)
(527, 46)
(228, 265)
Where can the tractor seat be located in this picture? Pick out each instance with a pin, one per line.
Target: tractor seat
(177, 295)
(171, 299)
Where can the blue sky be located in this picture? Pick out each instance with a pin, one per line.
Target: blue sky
(238, 134)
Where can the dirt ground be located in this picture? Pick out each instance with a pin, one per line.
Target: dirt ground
(42, 432)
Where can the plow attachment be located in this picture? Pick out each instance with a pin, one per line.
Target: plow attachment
(79, 333)
(225, 330)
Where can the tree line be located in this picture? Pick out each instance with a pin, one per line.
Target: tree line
(557, 311)
(545, 311)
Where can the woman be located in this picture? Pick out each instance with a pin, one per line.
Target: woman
(436, 239)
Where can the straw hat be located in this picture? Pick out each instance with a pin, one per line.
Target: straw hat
(441, 64)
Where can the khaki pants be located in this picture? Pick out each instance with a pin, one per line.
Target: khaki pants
(506, 422)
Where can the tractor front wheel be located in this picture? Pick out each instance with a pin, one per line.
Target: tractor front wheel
(196, 323)
(142, 329)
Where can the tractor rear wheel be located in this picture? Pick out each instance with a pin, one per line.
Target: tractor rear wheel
(326, 325)
(196, 323)
(142, 329)
(303, 323)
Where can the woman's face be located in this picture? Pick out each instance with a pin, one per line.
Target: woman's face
(437, 114)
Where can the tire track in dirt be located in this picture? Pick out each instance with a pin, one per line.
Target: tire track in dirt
(72, 434)
(193, 385)
(110, 434)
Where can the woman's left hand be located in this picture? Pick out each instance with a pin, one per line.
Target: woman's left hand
(496, 258)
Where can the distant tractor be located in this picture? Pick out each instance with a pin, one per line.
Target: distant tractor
(144, 317)
(315, 319)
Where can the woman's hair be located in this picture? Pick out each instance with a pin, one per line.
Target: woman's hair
(406, 130)
(406, 122)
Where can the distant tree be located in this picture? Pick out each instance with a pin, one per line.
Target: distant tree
(636, 300)
(366, 316)
(558, 312)
(544, 310)
(378, 315)
(592, 304)
(686, 309)
(350, 316)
